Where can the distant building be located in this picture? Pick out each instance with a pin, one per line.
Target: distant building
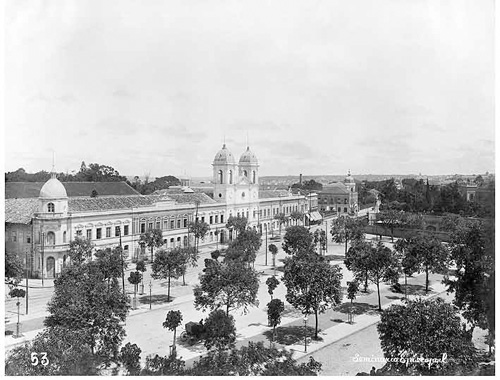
(339, 197)
(41, 221)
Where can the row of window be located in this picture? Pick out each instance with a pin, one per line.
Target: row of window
(339, 209)
(245, 174)
(98, 232)
(13, 237)
(177, 223)
(332, 200)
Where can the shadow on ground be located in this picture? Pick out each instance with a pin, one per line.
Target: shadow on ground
(358, 308)
(335, 257)
(156, 299)
(289, 335)
(416, 290)
(291, 312)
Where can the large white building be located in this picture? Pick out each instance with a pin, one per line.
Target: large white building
(39, 229)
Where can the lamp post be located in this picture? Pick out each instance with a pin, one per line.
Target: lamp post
(265, 227)
(150, 287)
(26, 282)
(43, 247)
(305, 333)
(123, 264)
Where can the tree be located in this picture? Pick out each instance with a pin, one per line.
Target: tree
(427, 329)
(358, 261)
(320, 238)
(231, 285)
(130, 356)
(472, 249)
(272, 283)
(274, 251)
(312, 285)
(429, 254)
(352, 290)
(13, 268)
(381, 261)
(252, 360)
(141, 267)
(87, 302)
(274, 310)
(135, 279)
(297, 240)
(245, 246)
(296, 216)
(66, 350)
(190, 255)
(80, 249)
(345, 229)
(281, 218)
(168, 265)
(220, 330)
(238, 223)
(173, 320)
(391, 219)
(199, 230)
(407, 261)
(164, 366)
(152, 239)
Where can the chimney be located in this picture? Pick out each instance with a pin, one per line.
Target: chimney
(300, 179)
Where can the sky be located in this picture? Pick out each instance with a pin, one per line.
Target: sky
(313, 87)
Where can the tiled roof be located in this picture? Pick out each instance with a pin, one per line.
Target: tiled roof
(84, 204)
(191, 198)
(74, 189)
(20, 210)
(263, 194)
(335, 188)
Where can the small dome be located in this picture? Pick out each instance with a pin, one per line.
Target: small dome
(248, 157)
(349, 178)
(224, 156)
(53, 188)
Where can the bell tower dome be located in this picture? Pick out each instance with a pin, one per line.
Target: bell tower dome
(225, 175)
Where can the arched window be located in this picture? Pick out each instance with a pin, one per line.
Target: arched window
(185, 241)
(64, 237)
(230, 177)
(50, 207)
(245, 173)
(221, 177)
(253, 176)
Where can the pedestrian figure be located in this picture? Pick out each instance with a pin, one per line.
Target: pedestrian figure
(372, 372)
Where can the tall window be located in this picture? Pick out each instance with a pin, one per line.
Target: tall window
(125, 230)
(230, 176)
(216, 218)
(158, 225)
(178, 223)
(185, 223)
(245, 173)
(172, 224)
(108, 231)
(211, 219)
(143, 228)
(117, 231)
(89, 234)
(221, 177)
(50, 207)
(64, 237)
(253, 176)
(98, 233)
(150, 225)
(222, 218)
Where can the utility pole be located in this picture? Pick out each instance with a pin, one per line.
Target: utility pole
(26, 282)
(123, 264)
(43, 247)
(265, 225)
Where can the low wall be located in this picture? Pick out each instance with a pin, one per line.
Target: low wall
(405, 232)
